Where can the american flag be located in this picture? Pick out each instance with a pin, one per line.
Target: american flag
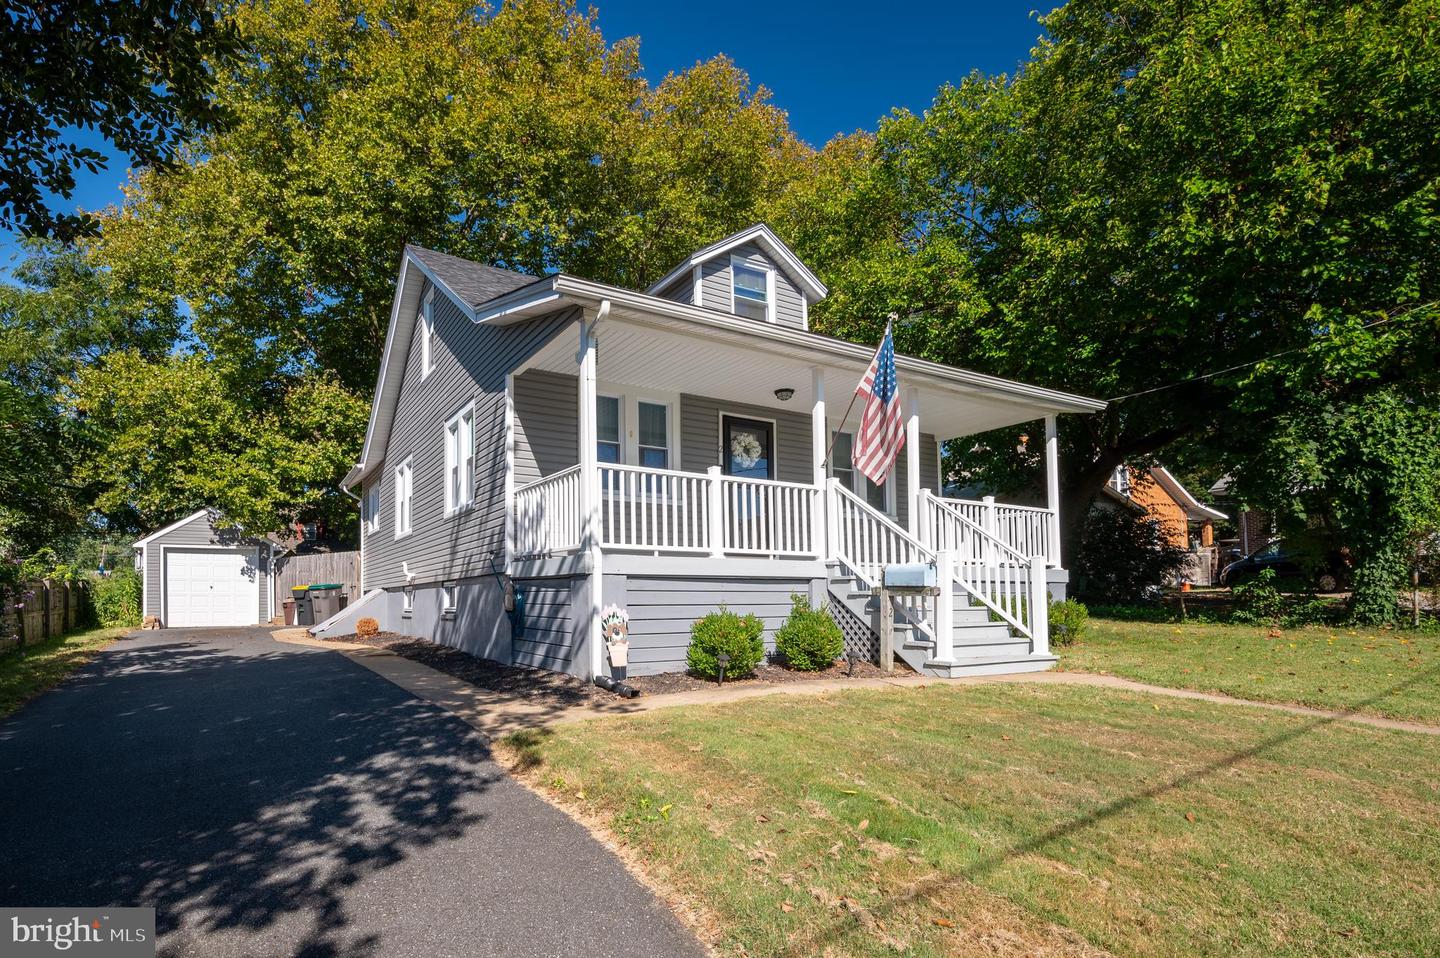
(882, 430)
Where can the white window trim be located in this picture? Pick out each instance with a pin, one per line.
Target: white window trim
(455, 507)
(630, 398)
(427, 335)
(892, 502)
(404, 498)
(769, 271)
(372, 510)
(619, 397)
(407, 601)
(449, 598)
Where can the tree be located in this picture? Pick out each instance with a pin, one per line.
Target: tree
(1161, 192)
(58, 315)
(162, 438)
(516, 137)
(139, 72)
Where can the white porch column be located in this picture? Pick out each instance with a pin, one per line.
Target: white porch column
(1052, 488)
(912, 460)
(589, 492)
(819, 443)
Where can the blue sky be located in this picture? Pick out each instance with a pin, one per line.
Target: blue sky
(835, 67)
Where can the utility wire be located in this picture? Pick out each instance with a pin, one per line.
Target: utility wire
(1284, 352)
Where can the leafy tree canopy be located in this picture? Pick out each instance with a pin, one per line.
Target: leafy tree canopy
(137, 71)
(516, 137)
(1161, 192)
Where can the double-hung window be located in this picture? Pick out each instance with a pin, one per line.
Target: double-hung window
(653, 446)
(750, 290)
(427, 334)
(460, 461)
(372, 509)
(842, 467)
(404, 486)
(607, 429)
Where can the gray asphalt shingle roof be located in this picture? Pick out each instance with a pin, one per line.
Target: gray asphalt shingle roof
(473, 282)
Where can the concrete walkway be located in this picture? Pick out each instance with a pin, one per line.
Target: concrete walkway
(271, 799)
(494, 713)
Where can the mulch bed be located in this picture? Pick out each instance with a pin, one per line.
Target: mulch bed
(567, 689)
(485, 673)
(765, 674)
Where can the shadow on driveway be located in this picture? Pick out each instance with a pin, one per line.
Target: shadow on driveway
(277, 800)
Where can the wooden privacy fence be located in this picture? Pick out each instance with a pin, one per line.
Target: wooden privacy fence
(39, 610)
(290, 571)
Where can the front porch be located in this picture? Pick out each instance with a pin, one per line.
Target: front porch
(706, 464)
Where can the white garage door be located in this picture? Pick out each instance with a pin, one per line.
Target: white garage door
(211, 587)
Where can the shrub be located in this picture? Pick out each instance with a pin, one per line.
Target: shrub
(1124, 558)
(1258, 600)
(1067, 621)
(367, 626)
(809, 640)
(738, 636)
(116, 598)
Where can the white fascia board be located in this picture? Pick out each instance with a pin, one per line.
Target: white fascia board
(524, 303)
(1194, 506)
(172, 527)
(762, 234)
(588, 292)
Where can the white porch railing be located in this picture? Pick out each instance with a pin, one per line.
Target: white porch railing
(664, 510)
(765, 517)
(667, 511)
(1028, 530)
(660, 510)
(547, 514)
(1010, 583)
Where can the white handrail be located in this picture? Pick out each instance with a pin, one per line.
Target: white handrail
(765, 517)
(1026, 529)
(1009, 583)
(547, 514)
(865, 541)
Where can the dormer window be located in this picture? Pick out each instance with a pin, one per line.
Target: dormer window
(751, 290)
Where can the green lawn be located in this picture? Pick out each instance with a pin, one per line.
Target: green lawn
(1388, 672)
(25, 673)
(1015, 820)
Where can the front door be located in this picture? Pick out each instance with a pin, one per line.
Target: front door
(747, 447)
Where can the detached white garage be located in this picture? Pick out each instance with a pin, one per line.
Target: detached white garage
(197, 575)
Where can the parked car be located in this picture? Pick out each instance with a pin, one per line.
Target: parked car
(1326, 574)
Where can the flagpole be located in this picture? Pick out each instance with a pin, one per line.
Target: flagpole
(846, 418)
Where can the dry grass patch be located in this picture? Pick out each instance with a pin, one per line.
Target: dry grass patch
(1010, 820)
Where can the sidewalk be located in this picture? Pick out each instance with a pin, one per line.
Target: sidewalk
(494, 714)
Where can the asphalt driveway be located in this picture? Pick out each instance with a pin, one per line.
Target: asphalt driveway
(277, 800)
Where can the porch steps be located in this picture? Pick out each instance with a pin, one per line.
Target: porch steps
(980, 646)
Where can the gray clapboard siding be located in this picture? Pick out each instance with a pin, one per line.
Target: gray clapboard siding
(700, 436)
(681, 290)
(717, 286)
(663, 609)
(546, 427)
(470, 363)
(548, 640)
(201, 532)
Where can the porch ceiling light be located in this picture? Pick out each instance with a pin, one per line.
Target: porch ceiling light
(784, 393)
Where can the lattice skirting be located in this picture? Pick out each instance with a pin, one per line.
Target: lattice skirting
(859, 638)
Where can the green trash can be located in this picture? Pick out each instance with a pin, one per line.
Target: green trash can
(324, 601)
(304, 611)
